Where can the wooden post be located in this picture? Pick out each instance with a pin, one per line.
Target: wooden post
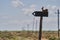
(40, 28)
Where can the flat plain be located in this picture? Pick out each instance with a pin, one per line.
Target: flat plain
(26, 35)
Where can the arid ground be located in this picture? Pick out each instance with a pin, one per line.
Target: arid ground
(26, 35)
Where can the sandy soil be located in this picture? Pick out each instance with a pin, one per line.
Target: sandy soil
(44, 39)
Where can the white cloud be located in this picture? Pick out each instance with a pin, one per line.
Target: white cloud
(8, 20)
(33, 5)
(17, 3)
(51, 8)
(51, 0)
(29, 10)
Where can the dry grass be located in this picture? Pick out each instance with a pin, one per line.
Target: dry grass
(25, 35)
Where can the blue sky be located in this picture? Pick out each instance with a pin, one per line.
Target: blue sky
(16, 14)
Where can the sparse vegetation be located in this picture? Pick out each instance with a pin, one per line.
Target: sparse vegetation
(27, 35)
(17, 35)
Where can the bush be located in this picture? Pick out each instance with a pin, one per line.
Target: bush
(52, 38)
(47, 36)
(58, 38)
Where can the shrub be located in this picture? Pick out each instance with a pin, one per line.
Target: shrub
(52, 38)
(58, 38)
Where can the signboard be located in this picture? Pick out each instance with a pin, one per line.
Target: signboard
(41, 13)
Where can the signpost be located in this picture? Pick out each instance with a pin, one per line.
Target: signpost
(41, 14)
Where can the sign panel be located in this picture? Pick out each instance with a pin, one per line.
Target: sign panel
(43, 13)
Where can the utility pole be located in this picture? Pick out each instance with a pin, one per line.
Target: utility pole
(28, 27)
(58, 22)
(36, 25)
(33, 25)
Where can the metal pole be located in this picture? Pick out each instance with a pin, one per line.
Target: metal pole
(28, 27)
(36, 26)
(58, 22)
(40, 28)
(33, 25)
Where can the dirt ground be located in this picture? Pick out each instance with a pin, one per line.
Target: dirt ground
(44, 39)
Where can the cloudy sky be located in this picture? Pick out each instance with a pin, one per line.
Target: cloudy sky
(17, 14)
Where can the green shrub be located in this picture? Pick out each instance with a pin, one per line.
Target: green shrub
(58, 38)
(47, 36)
(52, 38)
